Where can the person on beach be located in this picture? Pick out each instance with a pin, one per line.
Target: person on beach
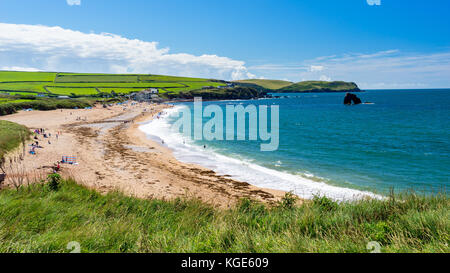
(57, 167)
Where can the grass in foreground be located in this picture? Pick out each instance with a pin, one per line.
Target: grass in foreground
(38, 219)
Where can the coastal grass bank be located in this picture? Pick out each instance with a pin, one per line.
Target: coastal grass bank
(45, 218)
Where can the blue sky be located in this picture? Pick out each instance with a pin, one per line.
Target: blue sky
(396, 44)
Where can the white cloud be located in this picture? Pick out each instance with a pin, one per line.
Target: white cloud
(279, 67)
(388, 69)
(325, 78)
(58, 49)
(374, 2)
(73, 2)
(383, 69)
(316, 68)
(19, 68)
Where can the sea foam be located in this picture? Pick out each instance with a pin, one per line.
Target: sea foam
(184, 149)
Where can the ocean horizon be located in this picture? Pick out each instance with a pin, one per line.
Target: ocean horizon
(399, 142)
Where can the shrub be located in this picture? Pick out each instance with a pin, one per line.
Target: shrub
(378, 231)
(53, 181)
(289, 200)
(43, 104)
(324, 203)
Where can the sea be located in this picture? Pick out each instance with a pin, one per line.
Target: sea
(398, 142)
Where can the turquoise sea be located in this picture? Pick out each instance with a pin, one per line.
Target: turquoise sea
(400, 142)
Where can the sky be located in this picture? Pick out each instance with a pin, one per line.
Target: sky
(379, 44)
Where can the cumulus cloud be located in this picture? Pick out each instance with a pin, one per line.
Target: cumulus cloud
(382, 69)
(58, 49)
(19, 68)
(316, 68)
(325, 78)
(388, 69)
(374, 2)
(73, 2)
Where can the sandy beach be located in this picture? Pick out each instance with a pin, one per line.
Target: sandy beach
(113, 154)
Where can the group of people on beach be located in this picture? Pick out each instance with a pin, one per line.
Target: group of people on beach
(41, 132)
(46, 135)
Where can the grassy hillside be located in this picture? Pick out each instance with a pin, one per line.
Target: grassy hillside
(275, 86)
(237, 92)
(11, 135)
(268, 84)
(78, 84)
(23, 90)
(38, 219)
(320, 86)
(54, 84)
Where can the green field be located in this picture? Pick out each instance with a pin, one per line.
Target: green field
(75, 78)
(121, 90)
(77, 91)
(11, 76)
(120, 85)
(23, 86)
(90, 84)
(12, 100)
(19, 93)
(160, 78)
